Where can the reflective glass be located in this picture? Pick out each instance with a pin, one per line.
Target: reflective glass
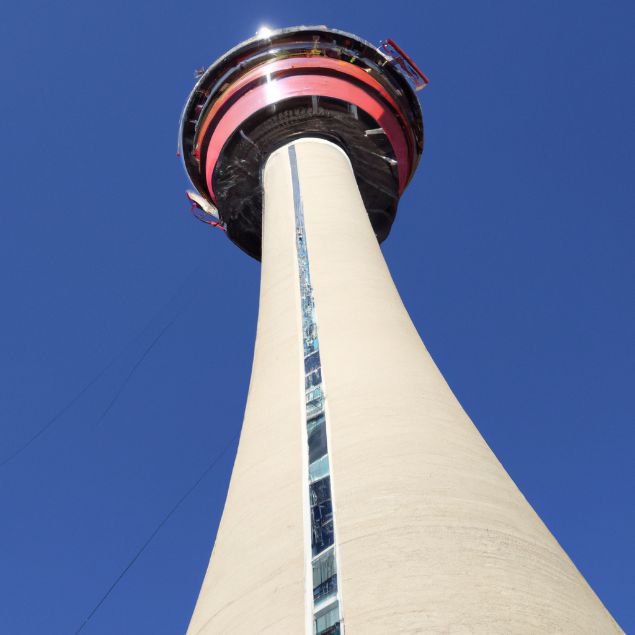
(319, 469)
(315, 420)
(313, 379)
(327, 619)
(322, 535)
(317, 442)
(311, 362)
(324, 576)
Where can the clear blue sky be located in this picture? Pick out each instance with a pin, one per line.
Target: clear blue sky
(513, 250)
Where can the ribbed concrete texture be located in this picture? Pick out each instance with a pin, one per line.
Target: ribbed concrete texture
(432, 534)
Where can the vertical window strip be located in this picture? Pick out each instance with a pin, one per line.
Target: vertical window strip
(326, 611)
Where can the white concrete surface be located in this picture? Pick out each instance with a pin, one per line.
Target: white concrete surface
(433, 535)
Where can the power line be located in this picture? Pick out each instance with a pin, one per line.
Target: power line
(133, 369)
(167, 517)
(140, 361)
(55, 417)
(103, 371)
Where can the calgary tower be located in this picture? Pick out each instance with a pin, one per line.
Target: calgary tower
(363, 499)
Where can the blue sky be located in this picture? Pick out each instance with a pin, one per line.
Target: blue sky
(513, 251)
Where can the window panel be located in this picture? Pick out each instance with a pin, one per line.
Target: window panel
(321, 515)
(326, 619)
(312, 362)
(324, 576)
(313, 379)
(317, 442)
(319, 468)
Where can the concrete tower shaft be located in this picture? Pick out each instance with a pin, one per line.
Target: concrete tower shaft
(363, 499)
(432, 534)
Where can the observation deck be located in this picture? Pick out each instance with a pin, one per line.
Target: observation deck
(297, 82)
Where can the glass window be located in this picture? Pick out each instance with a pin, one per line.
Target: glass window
(324, 564)
(314, 407)
(312, 395)
(322, 535)
(313, 379)
(317, 442)
(327, 622)
(319, 469)
(311, 362)
(324, 576)
(315, 420)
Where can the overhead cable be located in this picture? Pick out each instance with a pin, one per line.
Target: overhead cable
(165, 519)
(58, 415)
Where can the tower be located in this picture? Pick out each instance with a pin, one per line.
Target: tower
(362, 499)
